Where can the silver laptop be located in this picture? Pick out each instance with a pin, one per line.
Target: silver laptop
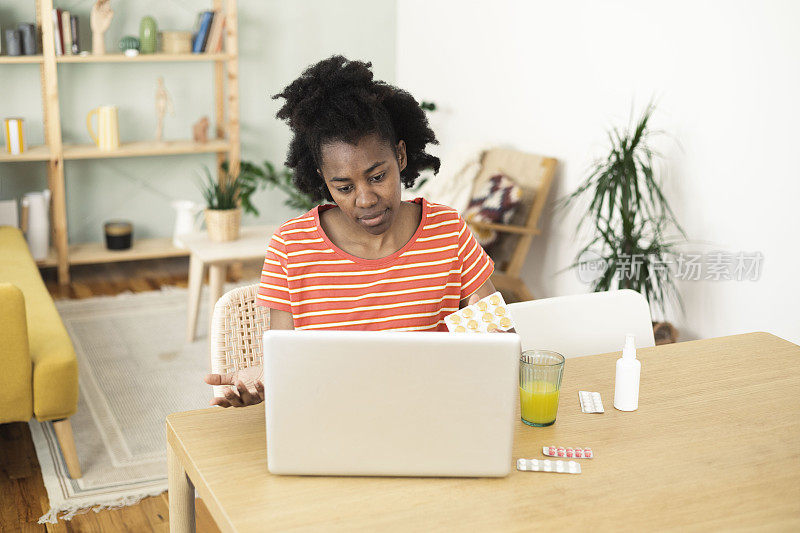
(390, 403)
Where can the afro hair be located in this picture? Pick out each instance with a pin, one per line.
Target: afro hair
(337, 100)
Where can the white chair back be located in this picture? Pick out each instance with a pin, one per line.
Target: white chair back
(584, 324)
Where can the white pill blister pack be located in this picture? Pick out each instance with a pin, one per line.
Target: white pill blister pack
(546, 465)
(590, 402)
(484, 316)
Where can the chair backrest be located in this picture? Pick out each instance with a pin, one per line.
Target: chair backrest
(237, 328)
(534, 175)
(584, 324)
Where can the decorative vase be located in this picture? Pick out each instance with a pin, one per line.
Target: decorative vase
(36, 222)
(223, 224)
(129, 42)
(186, 220)
(13, 42)
(27, 34)
(148, 35)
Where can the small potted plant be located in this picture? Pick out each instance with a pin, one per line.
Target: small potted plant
(223, 211)
(227, 199)
(634, 231)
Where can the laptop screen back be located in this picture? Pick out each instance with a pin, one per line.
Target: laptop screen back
(390, 403)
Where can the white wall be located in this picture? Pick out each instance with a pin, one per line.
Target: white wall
(552, 77)
(277, 40)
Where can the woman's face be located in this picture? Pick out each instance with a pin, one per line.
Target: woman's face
(364, 180)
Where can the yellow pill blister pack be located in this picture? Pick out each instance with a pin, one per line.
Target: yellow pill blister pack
(484, 316)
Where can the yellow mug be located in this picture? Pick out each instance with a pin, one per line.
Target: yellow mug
(107, 137)
(15, 135)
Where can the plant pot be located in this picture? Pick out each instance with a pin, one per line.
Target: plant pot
(664, 333)
(223, 224)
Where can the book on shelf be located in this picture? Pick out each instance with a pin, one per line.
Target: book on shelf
(214, 43)
(73, 25)
(59, 43)
(202, 33)
(208, 31)
(66, 32)
(218, 47)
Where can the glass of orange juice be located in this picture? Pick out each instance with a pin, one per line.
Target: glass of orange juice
(540, 374)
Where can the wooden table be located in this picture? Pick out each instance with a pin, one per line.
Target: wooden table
(251, 244)
(715, 444)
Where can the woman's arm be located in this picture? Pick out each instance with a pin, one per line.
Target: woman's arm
(280, 319)
(485, 290)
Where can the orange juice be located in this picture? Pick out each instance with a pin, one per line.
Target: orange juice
(539, 403)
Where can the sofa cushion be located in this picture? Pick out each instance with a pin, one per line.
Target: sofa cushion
(55, 367)
(16, 395)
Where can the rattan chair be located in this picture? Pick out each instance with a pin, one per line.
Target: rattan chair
(237, 327)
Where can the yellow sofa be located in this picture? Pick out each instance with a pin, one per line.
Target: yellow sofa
(39, 374)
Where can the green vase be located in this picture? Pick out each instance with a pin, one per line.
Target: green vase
(129, 42)
(148, 33)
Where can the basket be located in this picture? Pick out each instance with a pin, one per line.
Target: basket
(223, 224)
(176, 42)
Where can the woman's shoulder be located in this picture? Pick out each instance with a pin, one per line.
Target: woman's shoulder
(305, 222)
(436, 213)
(439, 210)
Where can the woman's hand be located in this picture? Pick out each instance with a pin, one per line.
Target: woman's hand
(487, 289)
(245, 396)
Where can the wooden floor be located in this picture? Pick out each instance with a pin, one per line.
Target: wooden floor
(23, 498)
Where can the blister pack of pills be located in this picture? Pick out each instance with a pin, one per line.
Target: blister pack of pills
(569, 453)
(546, 465)
(590, 402)
(484, 316)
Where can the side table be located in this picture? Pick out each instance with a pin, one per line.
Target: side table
(252, 244)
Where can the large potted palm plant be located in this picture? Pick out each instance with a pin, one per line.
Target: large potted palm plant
(633, 231)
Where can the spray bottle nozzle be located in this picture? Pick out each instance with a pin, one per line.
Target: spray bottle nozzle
(630, 346)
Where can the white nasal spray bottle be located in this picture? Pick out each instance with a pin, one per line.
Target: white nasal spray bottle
(626, 384)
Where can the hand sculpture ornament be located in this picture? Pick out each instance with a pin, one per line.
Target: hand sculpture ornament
(100, 20)
(163, 106)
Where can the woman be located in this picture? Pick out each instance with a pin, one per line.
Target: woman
(366, 261)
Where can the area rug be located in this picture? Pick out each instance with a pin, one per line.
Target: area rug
(135, 368)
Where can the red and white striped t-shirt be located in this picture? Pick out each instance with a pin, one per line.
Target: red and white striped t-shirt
(413, 289)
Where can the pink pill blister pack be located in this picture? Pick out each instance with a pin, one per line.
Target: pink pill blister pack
(484, 316)
(569, 453)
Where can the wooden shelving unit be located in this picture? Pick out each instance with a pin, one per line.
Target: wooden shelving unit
(54, 152)
(146, 148)
(96, 252)
(33, 153)
(16, 60)
(143, 58)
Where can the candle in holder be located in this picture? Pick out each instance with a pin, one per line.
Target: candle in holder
(119, 234)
